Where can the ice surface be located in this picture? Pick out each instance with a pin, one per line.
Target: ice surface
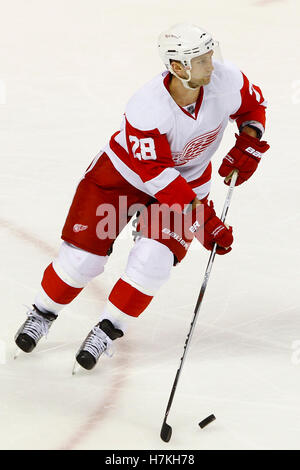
(67, 70)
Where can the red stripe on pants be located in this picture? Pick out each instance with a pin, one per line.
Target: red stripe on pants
(128, 299)
(57, 289)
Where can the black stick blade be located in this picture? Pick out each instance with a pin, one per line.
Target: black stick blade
(206, 421)
(166, 432)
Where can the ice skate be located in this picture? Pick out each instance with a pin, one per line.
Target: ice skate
(97, 342)
(33, 329)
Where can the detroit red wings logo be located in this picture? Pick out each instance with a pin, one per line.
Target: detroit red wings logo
(195, 147)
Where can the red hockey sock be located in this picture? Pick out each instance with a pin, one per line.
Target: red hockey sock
(57, 289)
(128, 299)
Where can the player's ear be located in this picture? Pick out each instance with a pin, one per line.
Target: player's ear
(173, 65)
(177, 66)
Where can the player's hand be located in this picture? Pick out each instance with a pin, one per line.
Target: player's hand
(209, 229)
(244, 156)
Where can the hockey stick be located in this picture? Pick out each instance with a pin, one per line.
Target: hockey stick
(166, 429)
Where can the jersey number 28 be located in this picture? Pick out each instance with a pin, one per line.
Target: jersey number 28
(143, 149)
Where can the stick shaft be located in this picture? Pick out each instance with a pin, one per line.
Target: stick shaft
(201, 295)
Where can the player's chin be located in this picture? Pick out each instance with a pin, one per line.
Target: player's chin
(199, 83)
(206, 80)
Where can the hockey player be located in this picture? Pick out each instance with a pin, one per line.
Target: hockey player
(161, 156)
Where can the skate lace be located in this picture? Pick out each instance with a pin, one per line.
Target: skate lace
(97, 343)
(36, 326)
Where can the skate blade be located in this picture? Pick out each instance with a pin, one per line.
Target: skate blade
(75, 368)
(17, 353)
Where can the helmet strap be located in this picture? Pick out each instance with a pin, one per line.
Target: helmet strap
(184, 81)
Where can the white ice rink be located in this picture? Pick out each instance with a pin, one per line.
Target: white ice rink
(67, 69)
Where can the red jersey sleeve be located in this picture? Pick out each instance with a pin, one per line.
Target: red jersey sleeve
(253, 105)
(150, 157)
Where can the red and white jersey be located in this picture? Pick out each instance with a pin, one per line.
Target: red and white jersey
(165, 151)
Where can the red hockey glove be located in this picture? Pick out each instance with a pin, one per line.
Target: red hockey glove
(244, 156)
(209, 229)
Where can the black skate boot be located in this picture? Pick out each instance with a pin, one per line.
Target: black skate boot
(97, 342)
(35, 327)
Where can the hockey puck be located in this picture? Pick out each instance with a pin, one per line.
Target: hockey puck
(206, 421)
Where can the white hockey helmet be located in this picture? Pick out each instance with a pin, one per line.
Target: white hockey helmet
(183, 42)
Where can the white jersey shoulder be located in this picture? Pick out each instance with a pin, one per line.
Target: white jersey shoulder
(149, 108)
(225, 85)
(227, 76)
